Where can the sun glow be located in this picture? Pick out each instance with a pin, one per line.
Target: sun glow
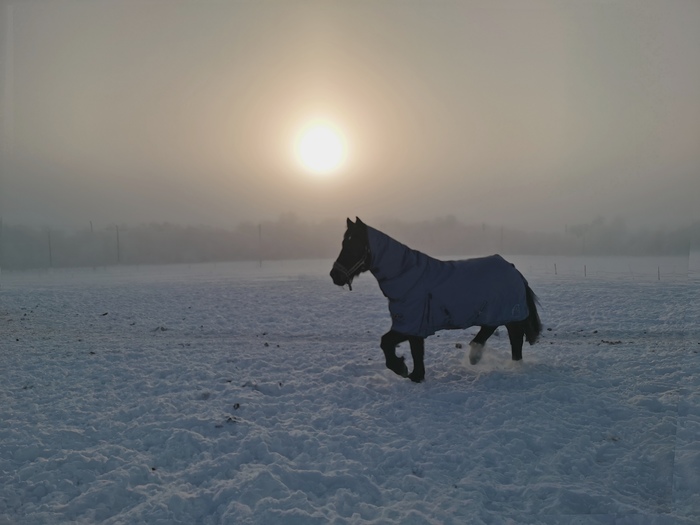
(321, 148)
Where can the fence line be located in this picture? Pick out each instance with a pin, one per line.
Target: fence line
(26, 248)
(642, 268)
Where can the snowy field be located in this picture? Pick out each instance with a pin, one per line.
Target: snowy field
(232, 394)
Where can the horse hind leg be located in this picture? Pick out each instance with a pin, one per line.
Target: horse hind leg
(516, 333)
(476, 346)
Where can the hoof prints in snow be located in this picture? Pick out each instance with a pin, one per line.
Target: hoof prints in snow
(115, 422)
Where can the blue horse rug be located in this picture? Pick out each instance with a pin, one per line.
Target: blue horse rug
(426, 294)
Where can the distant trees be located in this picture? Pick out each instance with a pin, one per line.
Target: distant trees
(289, 237)
(448, 236)
(163, 243)
(601, 237)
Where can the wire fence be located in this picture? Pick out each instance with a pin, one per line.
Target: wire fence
(628, 268)
(42, 249)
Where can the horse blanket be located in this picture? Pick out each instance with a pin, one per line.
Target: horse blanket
(426, 295)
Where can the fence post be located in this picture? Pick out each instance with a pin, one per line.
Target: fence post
(92, 251)
(48, 233)
(119, 256)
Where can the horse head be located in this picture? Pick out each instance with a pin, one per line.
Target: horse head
(354, 257)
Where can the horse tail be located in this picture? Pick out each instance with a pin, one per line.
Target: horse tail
(533, 325)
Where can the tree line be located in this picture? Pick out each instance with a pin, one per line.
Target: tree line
(289, 237)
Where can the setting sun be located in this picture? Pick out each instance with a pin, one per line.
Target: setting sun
(321, 148)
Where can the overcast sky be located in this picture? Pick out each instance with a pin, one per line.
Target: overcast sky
(523, 113)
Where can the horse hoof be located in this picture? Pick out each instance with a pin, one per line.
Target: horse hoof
(476, 350)
(398, 367)
(416, 378)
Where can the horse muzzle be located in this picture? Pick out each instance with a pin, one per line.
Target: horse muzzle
(340, 276)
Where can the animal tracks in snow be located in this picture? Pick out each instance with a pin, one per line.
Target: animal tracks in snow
(109, 421)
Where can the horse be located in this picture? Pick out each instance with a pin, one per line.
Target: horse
(427, 295)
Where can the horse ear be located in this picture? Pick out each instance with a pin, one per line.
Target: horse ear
(350, 224)
(359, 221)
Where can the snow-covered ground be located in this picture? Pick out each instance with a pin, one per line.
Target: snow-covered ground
(232, 394)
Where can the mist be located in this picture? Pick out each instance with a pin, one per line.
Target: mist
(534, 115)
(289, 237)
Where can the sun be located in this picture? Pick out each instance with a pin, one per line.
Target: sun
(321, 148)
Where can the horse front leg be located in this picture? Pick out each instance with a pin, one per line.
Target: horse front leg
(417, 352)
(388, 346)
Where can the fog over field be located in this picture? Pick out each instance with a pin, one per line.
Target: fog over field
(175, 177)
(528, 115)
(289, 237)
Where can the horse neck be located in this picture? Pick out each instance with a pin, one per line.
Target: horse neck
(394, 264)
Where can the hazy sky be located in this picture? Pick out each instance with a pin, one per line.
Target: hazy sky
(523, 113)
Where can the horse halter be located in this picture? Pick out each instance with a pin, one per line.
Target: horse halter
(350, 273)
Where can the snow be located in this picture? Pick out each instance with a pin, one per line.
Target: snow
(243, 395)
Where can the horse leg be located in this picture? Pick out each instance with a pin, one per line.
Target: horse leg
(476, 346)
(388, 346)
(516, 332)
(417, 351)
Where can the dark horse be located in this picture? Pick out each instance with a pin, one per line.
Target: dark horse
(426, 295)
